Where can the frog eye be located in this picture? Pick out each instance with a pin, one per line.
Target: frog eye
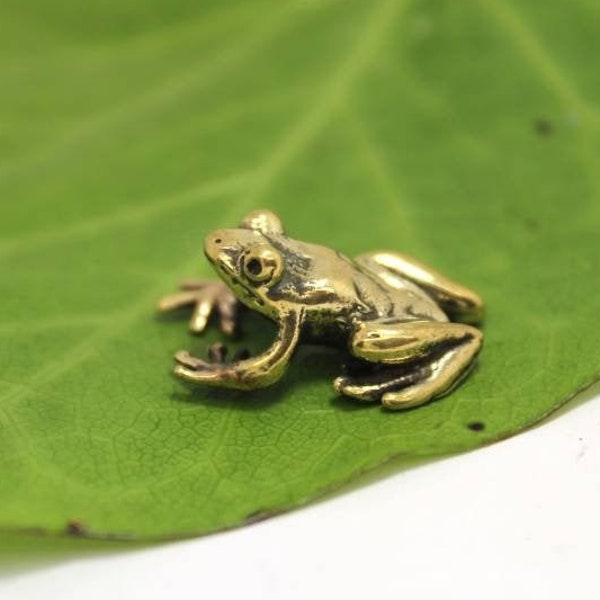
(262, 265)
(264, 221)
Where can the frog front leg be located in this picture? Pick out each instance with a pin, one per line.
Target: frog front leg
(205, 298)
(417, 360)
(256, 372)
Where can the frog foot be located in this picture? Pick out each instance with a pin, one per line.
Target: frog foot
(206, 298)
(217, 353)
(370, 385)
(411, 362)
(408, 385)
(185, 359)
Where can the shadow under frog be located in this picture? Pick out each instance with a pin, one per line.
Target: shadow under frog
(311, 364)
(409, 331)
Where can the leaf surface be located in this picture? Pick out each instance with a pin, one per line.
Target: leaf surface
(466, 134)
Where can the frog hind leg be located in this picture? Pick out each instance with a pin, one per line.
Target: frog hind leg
(461, 304)
(415, 361)
(370, 387)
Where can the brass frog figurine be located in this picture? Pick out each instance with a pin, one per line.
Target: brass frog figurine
(409, 329)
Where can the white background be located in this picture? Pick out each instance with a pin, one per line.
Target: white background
(519, 519)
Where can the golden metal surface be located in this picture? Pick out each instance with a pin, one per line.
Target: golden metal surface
(410, 330)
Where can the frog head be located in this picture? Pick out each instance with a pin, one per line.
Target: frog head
(275, 274)
(248, 261)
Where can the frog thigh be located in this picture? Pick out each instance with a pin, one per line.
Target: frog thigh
(447, 349)
(458, 302)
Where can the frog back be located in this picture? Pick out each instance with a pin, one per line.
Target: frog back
(394, 296)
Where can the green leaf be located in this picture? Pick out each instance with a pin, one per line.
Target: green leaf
(464, 133)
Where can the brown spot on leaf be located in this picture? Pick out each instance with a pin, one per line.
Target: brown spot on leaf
(476, 426)
(259, 515)
(543, 126)
(75, 528)
(532, 224)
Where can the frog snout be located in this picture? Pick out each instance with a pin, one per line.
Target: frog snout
(214, 243)
(221, 247)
